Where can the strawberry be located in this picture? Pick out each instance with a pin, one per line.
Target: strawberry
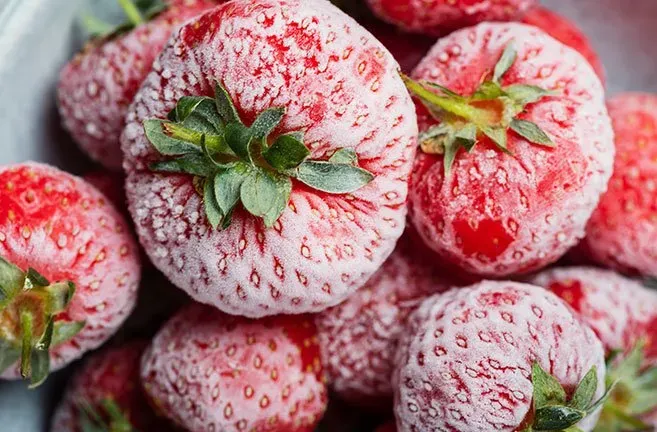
(110, 184)
(96, 88)
(296, 211)
(566, 32)
(359, 337)
(213, 372)
(105, 395)
(439, 17)
(537, 148)
(69, 270)
(622, 231)
(623, 313)
(499, 356)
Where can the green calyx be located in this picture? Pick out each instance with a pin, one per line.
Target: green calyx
(234, 163)
(553, 411)
(634, 396)
(107, 417)
(137, 12)
(29, 305)
(490, 112)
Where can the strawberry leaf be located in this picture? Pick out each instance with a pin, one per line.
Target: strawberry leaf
(332, 178)
(547, 390)
(258, 192)
(505, 62)
(344, 156)
(556, 418)
(225, 107)
(212, 209)
(286, 153)
(524, 94)
(227, 185)
(585, 391)
(12, 280)
(165, 144)
(64, 331)
(488, 90)
(284, 186)
(238, 138)
(9, 355)
(498, 135)
(531, 132)
(198, 114)
(266, 122)
(467, 137)
(193, 163)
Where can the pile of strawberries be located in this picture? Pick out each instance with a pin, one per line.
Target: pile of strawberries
(351, 223)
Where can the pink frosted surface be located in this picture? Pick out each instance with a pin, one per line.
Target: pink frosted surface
(209, 371)
(498, 215)
(464, 363)
(622, 233)
(341, 87)
(81, 238)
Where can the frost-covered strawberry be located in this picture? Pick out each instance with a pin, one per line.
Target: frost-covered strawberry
(106, 395)
(438, 17)
(622, 232)
(566, 32)
(69, 270)
(268, 155)
(209, 371)
(498, 356)
(623, 313)
(96, 88)
(359, 337)
(510, 171)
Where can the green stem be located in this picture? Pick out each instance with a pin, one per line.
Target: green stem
(213, 142)
(132, 12)
(26, 348)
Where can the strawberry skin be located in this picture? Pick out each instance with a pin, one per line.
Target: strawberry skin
(68, 231)
(438, 17)
(110, 374)
(566, 32)
(96, 88)
(359, 337)
(621, 311)
(621, 233)
(497, 214)
(209, 371)
(465, 362)
(333, 78)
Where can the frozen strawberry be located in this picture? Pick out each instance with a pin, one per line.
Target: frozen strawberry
(295, 211)
(359, 337)
(566, 32)
(498, 356)
(110, 184)
(623, 313)
(106, 395)
(209, 371)
(510, 171)
(96, 88)
(622, 233)
(69, 270)
(438, 17)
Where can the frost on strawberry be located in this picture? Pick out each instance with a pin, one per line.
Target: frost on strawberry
(268, 155)
(622, 232)
(439, 17)
(498, 356)
(105, 394)
(69, 270)
(359, 337)
(209, 371)
(96, 88)
(516, 147)
(623, 313)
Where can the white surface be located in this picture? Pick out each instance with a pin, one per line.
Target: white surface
(38, 36)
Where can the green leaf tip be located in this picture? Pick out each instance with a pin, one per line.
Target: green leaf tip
(552, 409)
(36, 302)
(236, 163)
(491, 112)
(104, 416)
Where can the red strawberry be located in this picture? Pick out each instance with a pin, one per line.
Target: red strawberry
(622, 232)
(296, 211)
(97, 86)
(110, 184)
(566, 32)
(106, 391)
(69, 269)
(490, 212)
(438, 17)
(624, 315)
(497, 356)
(359, 337)
(213, 372)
